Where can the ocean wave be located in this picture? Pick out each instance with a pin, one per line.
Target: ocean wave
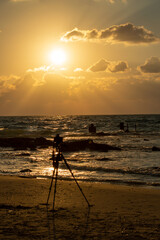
(152, 171)
(86, 178)
(136, 164)
(9, 172)
(26, 132)
(50, 131)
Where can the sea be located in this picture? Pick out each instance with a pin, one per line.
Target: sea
(135, 164)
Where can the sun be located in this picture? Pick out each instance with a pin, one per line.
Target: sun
(58, 56)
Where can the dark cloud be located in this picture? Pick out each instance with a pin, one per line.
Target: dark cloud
(104, 65)
(119, 67)
(152, 65)
(93, 34)
(126, 33)
(101, 65)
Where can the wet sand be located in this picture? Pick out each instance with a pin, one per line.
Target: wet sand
(118, 212)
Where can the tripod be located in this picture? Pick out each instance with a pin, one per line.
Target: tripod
(57, 156)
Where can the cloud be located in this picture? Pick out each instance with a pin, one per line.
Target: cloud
(101, 65)
(28, 96)
(16, 1)
(152, 65)
(124, 33)
(112, 1)
(74, 35)
(41, 69)
(119, 67)
(78, 70)
(8, 83)
(80, 92)
(127, 94)
(104, 65)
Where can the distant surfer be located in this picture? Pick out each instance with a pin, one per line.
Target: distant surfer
(92, 128)
(127, 129)
(121, 125)
(135, 127)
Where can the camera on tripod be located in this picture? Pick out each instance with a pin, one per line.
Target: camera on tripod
(57, 156)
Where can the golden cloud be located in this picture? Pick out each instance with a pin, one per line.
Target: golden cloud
(124, 33)
(100, 66)
(80, 92)
(152, 65)
(104, 65)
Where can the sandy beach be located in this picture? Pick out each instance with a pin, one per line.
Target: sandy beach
(118, 212)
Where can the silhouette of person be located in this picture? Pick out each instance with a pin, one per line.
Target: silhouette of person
(92, 128)
(127, 130)
(135, 127)
(121, 125)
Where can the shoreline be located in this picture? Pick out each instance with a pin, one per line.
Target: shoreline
(81, 180)
(118, 211)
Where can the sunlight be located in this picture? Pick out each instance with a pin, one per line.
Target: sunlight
(58, 56)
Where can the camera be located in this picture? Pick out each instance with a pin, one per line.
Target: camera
(58, 140)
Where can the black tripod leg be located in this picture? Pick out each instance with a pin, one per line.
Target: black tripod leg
(76, 181)
(50, 186)
(55, 186)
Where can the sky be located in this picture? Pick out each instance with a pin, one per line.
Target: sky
(79, 57)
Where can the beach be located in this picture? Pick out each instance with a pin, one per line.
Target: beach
(117, 211)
